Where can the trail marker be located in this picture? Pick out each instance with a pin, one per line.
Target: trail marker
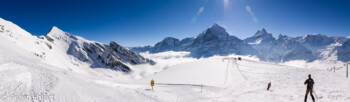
(347, 69)
(201, 87)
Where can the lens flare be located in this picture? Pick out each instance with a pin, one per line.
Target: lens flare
(226, 5)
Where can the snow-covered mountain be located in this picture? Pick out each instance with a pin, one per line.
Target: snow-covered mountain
(282, 49)
(336, 52)
(292, 50)
(213, 41)
(61, 48)
(216, 41)
(168, 44)
(261, 36)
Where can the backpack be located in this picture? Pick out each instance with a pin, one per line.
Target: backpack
(310, 83)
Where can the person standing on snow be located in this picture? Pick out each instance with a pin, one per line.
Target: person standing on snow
(268, 86)
(310, 84)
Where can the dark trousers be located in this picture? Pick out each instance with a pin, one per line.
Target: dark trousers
(309, 90)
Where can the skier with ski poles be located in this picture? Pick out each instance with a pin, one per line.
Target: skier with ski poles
(310, 83)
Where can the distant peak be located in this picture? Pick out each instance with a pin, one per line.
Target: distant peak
(261, 32)
(56, 32)
(215, 25)
(282, 36)
(216, 30)
(54, 28)
(314, 35)
(113, 43)
(170, 39)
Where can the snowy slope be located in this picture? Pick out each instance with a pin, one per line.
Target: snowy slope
(59, 47)
(183, 82)
(24, 78)
(52, 69)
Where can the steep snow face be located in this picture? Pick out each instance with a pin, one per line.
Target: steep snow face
(338, 52)
(216, 30)
(316, 43)
(64, 50)
(216, 41)
(316, 40)
(340, 39)
(128, 55)
(265, 44)
(168, 44)
(97, 54)
(292, 50)
(22, 38)
(212, 41)
(261, 36)
(278, 50)
(319, 44)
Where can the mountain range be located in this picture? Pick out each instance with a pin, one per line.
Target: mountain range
(60, 48)
(216, 41)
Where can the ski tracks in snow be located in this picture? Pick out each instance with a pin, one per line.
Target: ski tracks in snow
(25, 82)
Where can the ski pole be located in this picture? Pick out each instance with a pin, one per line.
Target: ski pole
(315, 94)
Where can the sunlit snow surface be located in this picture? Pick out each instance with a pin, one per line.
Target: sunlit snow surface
(30, 71)
(177, 77)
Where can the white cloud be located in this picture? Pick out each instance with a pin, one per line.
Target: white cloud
(163, 60)
(251, 13)
(170, 58)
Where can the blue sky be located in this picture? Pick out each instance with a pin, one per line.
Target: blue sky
(146, 22)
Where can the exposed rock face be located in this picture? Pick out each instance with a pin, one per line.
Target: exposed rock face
(60, 48)
(99, 55)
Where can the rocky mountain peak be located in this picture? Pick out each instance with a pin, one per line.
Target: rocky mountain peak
(262, 32)
(216, 30)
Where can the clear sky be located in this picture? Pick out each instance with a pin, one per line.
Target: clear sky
(146, 22)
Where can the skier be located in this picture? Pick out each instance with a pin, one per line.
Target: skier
(268, 86)
(310, 83)
(152, 83)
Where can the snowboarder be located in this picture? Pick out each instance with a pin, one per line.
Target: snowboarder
(310, 83)
(268, 86)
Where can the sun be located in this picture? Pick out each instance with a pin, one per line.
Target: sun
(225, 3)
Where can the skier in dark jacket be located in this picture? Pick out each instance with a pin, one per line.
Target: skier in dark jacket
(310, 84)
